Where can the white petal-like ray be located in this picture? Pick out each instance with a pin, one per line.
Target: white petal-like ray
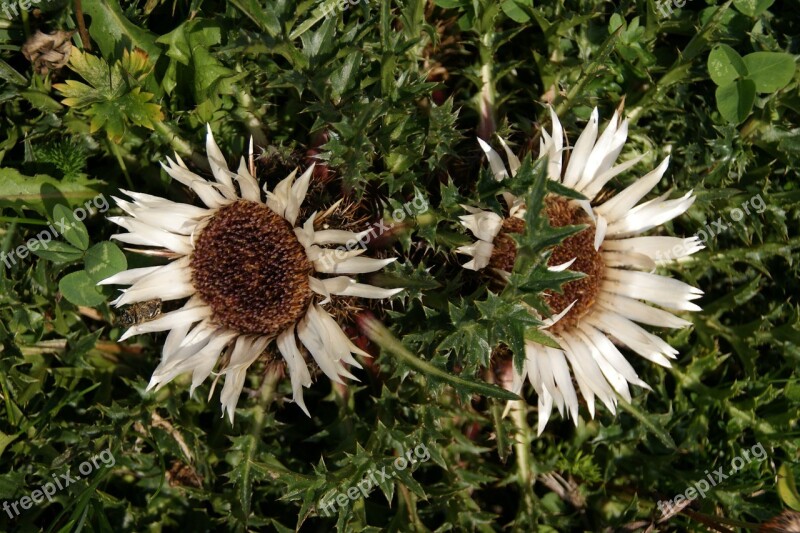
(127, 277)
(612, 375)
(660, 249)
(495, 161)
(663, 291)
(297, 195)
(217, 162)
(341, 346)
(581, 150)
(145, 235)
(611, 354)
(169, 321)
(314, 337)
(247, 183)
(209, 194)
(632, 336)
(168, 288)
(601, 227)
(545, 405)
(640, 312)
(202, 363)
(246, 351)
(356, 265)
(561, 375)
(584, 364)
(338, 236)
(513, 160)
(481, 251)
(594, 187)
(643, 218)
(619, 206)
(278, 198)
(555, 147)
(298, 371)
(346, 286)
(599, 152)
(562, 266)
(485, 225)
(628, 260)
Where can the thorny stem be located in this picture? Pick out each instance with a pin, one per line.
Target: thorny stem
(522, 453)
(408, 499)
(266, 394)
(251, 120)
(180, 145)
(486, 126)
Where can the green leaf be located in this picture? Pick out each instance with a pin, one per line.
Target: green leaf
(536, 335)
(71, 228)
(263, 15)
(114, 33)
(346, 75)
(5, 440)
(58, 252)
(770, 71)
(20, 192)
(787, 489)
(449, 4)
(647, 421)
(79, 289)
(735, 100)
(103, 260)
(725, 65)
(515, 11)
(114, 97)
(753, 8)
(8, 73)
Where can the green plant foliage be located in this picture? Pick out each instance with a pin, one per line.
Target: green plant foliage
(740, 78)
(387, 98)
(113, 99)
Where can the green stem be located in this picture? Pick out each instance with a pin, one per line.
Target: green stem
(180, 145)
(114, 148)
(9, 237)
(750, 127)
(22, 220)
(381, 336)
(487, 96)
(251, 121)
(522, 453)
(408, 499)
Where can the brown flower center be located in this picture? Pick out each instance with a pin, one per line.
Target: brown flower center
(579, 246)
(505, 249)
(249, 267)
(587, 260)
